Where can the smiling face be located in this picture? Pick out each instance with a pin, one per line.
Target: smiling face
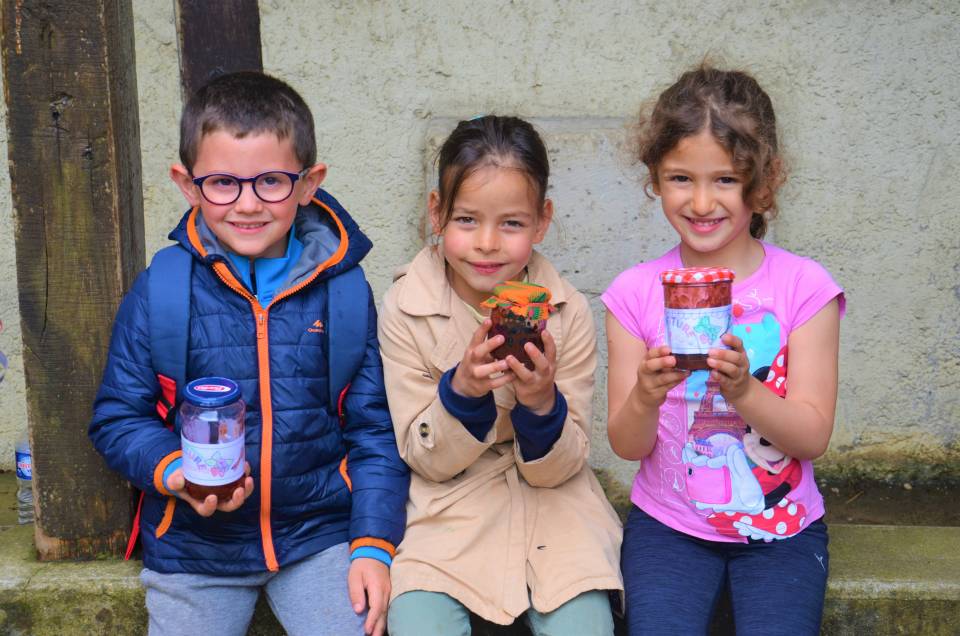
(702, 198)
(494, 223)
(248, 226)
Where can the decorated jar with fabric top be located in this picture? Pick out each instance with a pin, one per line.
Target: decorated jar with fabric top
(697, 306)
(519, 313)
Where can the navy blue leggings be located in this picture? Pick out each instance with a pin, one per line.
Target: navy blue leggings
(673, 580)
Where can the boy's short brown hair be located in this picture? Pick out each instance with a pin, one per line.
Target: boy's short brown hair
(243, 103)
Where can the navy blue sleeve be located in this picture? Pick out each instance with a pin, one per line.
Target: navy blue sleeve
(476, 414)
(125, 427)
(380, 479)
(536, 434)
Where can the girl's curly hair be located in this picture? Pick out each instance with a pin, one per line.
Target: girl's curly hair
(740, 116)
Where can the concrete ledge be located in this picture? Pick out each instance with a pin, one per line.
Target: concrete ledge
(83, 598)
(893, 580)
(883, 580)
(98, 597)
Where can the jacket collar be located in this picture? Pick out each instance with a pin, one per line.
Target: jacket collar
(427, 292)
(332, 240)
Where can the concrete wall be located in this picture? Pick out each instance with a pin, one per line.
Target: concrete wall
(867, 96)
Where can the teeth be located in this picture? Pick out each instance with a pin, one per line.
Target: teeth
(249, 226)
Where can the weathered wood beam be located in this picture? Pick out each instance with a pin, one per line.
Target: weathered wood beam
(74, 156)
(215, 38)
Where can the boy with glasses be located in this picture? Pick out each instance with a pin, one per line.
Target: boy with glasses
(319, 534)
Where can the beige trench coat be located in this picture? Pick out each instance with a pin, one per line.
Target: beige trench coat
(483, 525)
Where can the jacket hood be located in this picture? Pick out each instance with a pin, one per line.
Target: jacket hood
(332, 240)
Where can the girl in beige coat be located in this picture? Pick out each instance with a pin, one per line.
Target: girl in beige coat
(505, 517)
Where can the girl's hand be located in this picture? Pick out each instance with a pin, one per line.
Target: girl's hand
(472, 377)
(730, 367)
(177, 484)
(656, 376)
(535, 389)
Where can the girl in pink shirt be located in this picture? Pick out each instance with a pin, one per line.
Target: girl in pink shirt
(725, 493)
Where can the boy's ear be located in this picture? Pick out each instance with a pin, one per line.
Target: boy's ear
(181, 176)
(543, 221)
(311, 181)
(655, 184)
(433, 210)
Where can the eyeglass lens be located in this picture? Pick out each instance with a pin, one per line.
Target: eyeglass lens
(271, 187)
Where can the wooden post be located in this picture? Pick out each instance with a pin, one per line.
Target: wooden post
(74, 151)
(216, 38)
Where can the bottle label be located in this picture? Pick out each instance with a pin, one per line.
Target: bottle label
(212, 464)
(211, 388)
(24, 466)
(692, 331)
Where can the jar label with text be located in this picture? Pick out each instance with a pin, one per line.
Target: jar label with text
(695, 331)
(212, 464)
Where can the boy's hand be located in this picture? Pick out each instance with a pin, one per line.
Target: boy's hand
(730, 367)
(176, 484)
(535, 389)
(472, 377)
(656, 376)
(368, 583)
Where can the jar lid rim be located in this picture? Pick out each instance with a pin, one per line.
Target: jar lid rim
(697, 275)
(211, 392)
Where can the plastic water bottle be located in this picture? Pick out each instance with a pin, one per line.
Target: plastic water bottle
(24, 480)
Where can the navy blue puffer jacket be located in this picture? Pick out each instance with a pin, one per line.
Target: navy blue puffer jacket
(304, 463)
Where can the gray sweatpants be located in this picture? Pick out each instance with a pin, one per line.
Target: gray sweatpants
(308, 597)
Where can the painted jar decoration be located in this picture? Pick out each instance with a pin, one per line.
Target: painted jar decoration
(212, 437)
(697, 306)
(519, 313)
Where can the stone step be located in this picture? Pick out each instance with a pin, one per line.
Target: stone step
(893, 580)
(883, 580)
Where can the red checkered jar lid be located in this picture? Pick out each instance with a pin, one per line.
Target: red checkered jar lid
(696, 275)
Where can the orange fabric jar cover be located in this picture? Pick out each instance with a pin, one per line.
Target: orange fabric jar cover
(524, 299)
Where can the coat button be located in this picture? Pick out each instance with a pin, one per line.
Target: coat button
(424, 429)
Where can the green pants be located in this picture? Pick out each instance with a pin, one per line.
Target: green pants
(434, 614)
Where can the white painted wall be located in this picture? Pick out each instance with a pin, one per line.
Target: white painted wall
(868, 98)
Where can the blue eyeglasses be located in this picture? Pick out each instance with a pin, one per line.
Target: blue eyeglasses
(270, 187)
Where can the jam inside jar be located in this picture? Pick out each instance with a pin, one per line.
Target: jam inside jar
(697, 310)
(516, 331)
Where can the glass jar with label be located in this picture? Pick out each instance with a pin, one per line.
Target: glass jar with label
(212, 437)
(697, 312)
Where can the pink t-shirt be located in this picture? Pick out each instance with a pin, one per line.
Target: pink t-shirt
(709, 474)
